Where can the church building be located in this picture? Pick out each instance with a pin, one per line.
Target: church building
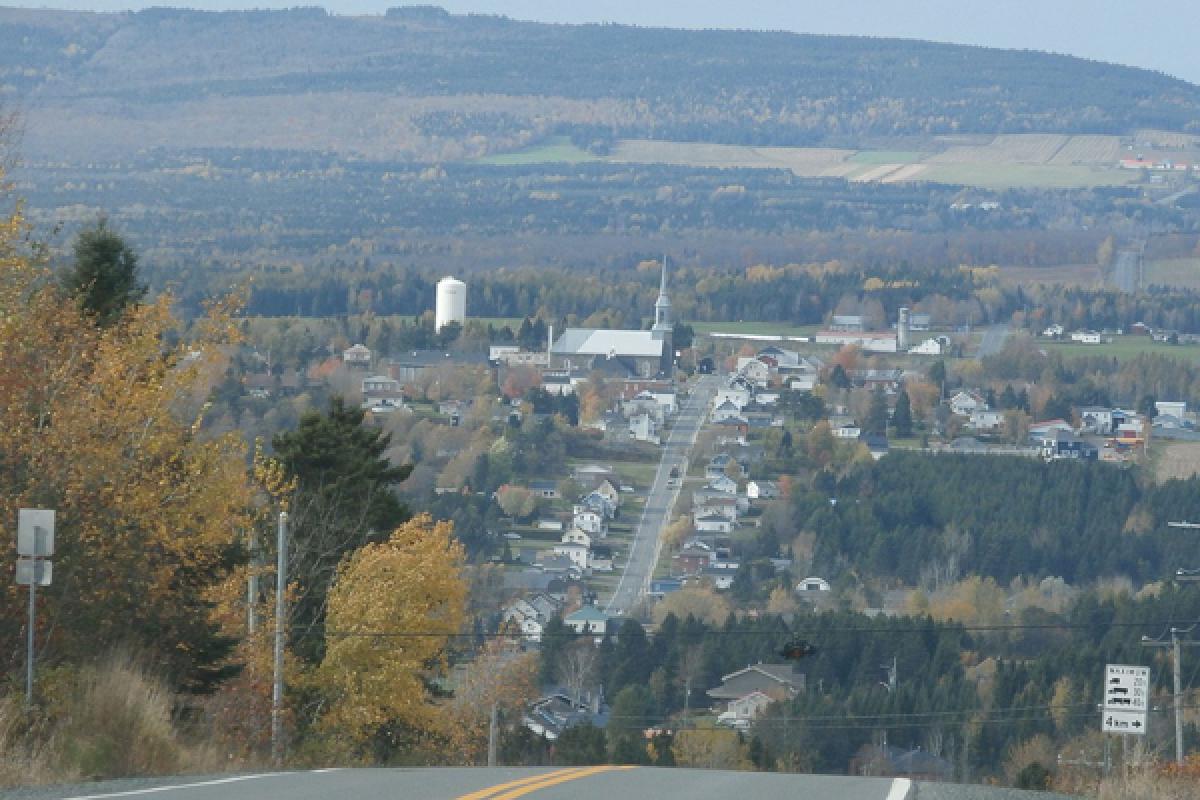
(642, 354)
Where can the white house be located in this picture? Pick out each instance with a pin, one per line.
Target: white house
(846, 431)
(727, 410)
(744, 710)
(713, 523)
(642, 428)
(1053, 330)
(754, 371)
(723, 483)
(357, 356)
(588, 619)
(589, 521)
(738, 395)
(762, 490)
(578, 553)
(576, 536)
(964, 403)
(986, 420)
(813, 584)
(1085, 337)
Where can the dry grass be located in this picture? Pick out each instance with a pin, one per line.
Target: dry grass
(1150, 786)
(107, 720)
(1177, 460)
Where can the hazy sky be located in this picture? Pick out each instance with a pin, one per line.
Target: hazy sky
(1157, 34)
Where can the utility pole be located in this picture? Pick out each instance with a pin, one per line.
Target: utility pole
(280, 614)
(492, 737)
(252, 586)
(1175, 644)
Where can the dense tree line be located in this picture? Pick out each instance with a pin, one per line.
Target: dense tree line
(1001, 517)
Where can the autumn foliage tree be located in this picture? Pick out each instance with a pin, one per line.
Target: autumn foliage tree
(392, 610)
(104, 425)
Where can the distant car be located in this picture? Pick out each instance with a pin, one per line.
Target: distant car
(626, 488)
(512, 536)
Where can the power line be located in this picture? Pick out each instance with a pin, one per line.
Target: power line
(948, 627)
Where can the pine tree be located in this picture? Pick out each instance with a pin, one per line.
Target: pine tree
(343, 500)
(104, 275)
(902, 416)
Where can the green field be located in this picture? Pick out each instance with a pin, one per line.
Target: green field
(1183, 273)
(1123, 347)
(555, 150)
(497, 322)
(1009, 176)
(887, 157)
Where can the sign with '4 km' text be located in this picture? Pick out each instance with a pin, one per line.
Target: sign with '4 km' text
(1126, 699)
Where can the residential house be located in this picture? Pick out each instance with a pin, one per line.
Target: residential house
(576, 536)
(662, 587)
(776, 681)
(813, 585)
(872, 379)
(1096, 419)
(964, 403)
(380, 391)
(727, 410)
(1039, 430)
(578, 553)
(1086, 337)
(553, 714)
(642, 428)
(713, 523)
(919, 321)
(744, 710)
(738, 395)
(719, 503)
(986, 420)
(762, 490)
(545, 489)
(754, 370)
(1053, 331)
(589, 521)
(607, 489)
(692, 559)
(722, 483)
(847, 430)
(1065, 445)
(599, 503)
(357, 356)
(588, 619)
(719, 575)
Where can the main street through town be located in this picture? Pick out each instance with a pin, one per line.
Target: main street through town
(647, 536)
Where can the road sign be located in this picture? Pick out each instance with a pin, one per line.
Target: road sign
(1126, 698)
(31, 569)
(1126, 688)
(1124, 722)
(35, 532)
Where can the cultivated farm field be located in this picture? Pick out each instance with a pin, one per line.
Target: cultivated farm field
(1182, 273)
(995, 162)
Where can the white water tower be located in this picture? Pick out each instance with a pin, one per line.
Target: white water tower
(451, 302)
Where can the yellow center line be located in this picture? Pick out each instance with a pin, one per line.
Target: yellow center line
(491, 790)
(554, 781)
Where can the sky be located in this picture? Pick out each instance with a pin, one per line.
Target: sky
(1155, 34)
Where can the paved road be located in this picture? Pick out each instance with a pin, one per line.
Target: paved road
(574, 783)
(1126, 273)
(993, 340)
(647, 537)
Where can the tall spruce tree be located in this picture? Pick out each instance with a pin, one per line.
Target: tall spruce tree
(104, 274)
(902, 416)
(343, 500)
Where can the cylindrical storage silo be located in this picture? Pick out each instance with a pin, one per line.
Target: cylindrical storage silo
(451, 303)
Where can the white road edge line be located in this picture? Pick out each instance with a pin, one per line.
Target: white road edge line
(198, 784)
(902, 789)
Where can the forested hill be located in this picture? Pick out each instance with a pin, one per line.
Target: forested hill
(465, 77)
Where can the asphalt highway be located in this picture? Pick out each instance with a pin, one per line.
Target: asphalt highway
(572, 783)
(643, 552)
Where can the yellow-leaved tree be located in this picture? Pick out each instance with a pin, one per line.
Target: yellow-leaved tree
(103, 424)
(391, 612)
